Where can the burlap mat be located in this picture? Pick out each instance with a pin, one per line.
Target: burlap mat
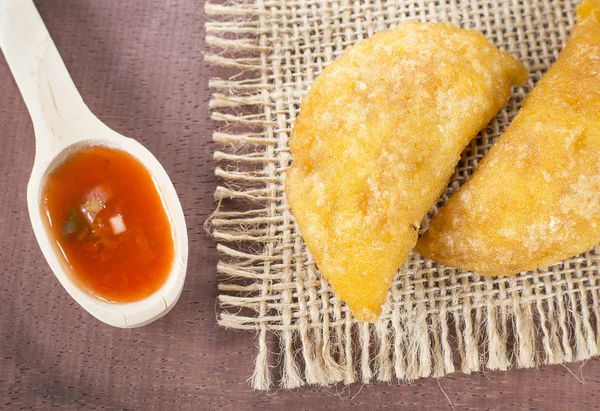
(437, 319)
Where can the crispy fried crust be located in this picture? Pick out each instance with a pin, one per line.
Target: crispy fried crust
(376, 142)
(535, 198)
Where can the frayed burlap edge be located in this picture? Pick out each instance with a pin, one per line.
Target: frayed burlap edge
(436, 318)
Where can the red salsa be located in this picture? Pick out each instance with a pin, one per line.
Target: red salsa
(108, 220)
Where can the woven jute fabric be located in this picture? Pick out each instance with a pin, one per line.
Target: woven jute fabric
(437, 320)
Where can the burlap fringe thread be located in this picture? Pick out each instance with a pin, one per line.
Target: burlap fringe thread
(435, 315)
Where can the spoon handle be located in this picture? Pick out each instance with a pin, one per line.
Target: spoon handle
(47, 89)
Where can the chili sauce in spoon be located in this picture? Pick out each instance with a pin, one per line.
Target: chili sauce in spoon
(108, 220)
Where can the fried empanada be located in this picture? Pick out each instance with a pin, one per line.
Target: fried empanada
(377, 140)
(535, 198)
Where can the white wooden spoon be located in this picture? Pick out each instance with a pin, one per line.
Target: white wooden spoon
(63, 124)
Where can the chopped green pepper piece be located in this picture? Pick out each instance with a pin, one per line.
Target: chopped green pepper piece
(72, 225)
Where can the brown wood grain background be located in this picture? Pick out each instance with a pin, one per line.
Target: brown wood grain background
(139, 66)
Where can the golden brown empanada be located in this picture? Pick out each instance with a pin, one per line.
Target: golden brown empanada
(535, 198)
(376, 142)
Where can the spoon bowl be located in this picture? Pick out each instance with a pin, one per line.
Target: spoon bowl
(63, 125)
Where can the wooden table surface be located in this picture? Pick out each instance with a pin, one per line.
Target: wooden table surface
(139, 66)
